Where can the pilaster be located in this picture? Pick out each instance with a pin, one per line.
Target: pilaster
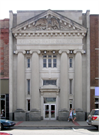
(10, 67)
(20, 82)
(78, 80)
(64, 82)
(35, 100)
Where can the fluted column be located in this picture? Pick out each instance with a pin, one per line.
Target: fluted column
(64, 103)
(78, 80)
(35, 99)
(20, 82)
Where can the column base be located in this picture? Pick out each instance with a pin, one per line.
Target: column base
(63, 115)
(80, 115)
(19, 115)
(34, 115)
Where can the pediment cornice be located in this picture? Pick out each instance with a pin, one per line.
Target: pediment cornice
(49, 23)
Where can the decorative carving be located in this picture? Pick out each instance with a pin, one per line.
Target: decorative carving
(48, 23)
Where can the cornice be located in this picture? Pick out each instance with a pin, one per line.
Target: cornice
(49, 33)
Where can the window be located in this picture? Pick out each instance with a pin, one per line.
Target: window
(44, 61)
(49, 82)
(54, 61)
(28, 105)
(70, 104)
(97, 102)
(70, 86)
(28, 62)
(28, 86)
(49, 61)
(70, 62)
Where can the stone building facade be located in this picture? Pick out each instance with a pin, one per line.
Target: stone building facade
(4, 68)
(94, 61)
(49, 64)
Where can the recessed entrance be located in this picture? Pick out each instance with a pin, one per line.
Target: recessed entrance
(49, 108)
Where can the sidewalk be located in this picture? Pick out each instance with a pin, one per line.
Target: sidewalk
(54, 123)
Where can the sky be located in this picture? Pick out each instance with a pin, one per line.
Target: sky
(14, 5)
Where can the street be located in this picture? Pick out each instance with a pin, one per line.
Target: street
(52, 131)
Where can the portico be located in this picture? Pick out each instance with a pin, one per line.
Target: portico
(49, 51)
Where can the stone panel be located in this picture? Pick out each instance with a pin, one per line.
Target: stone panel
(35, 115)
(19, 115)
(63, 115)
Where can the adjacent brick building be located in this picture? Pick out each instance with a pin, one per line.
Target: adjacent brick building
(4, 67)
(94, 61)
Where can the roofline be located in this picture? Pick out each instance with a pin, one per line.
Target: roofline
(49, 9)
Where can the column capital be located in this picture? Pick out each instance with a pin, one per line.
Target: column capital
(81, 51)
(35, 51)
(63, 51)
(27, 52)
(18, 51)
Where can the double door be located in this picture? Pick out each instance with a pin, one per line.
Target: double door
(49, 111)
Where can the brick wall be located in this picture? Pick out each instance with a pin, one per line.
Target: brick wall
(94, 56)
(4, 48)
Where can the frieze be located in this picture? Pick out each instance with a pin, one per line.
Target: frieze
(49, 41)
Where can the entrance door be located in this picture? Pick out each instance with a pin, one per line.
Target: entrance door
(49, 111)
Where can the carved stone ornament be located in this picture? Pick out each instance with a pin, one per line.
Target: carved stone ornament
(50, 23)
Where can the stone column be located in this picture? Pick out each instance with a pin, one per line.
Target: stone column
(78, 81)
(64, 103)
(20, 82)
(35, 97)
(10, 66)
(35, 102)
(64, 95)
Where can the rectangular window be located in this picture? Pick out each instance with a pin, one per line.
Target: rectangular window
(54, 61)
(49, 82)
(28, 62)
(70, 104)
(70, 62)
(28, 105)
(70, 86)
(49, 63)
(44, 62)
(28, 86)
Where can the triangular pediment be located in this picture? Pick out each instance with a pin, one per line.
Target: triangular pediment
(49, 21)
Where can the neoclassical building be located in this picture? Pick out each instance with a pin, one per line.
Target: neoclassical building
(49, 64)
